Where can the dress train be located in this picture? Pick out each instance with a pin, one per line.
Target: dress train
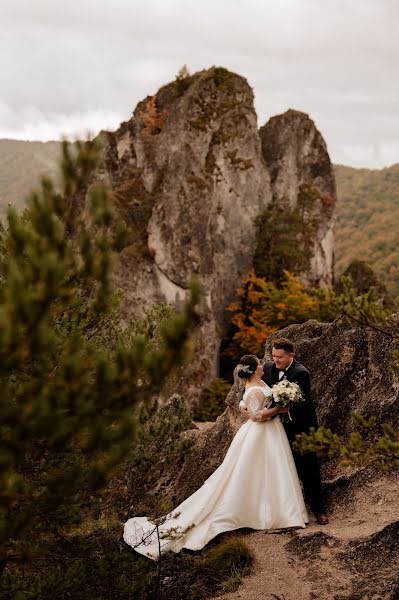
(256, 486)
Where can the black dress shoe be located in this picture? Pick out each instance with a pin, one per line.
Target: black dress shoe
(322, 519)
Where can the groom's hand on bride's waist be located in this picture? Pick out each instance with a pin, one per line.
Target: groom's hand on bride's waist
(244, 411)
(269, 413)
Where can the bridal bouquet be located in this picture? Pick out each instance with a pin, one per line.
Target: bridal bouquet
(285, 393)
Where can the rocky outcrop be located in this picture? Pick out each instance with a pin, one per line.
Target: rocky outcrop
(350, 370)
(187, 174)
(301, 172)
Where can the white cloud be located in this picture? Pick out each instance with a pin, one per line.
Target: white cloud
(31, 124)
(365, 156)
(334, 59)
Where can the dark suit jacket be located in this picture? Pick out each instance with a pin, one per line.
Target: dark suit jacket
(303, 414)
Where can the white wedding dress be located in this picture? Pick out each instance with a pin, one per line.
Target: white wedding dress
(256, 486)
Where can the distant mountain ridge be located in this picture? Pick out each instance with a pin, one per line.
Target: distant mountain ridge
(367, 226)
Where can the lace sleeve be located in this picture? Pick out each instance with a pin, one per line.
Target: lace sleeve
(255, 401)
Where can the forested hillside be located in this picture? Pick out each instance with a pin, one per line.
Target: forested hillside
(21, 163)
(367, 225)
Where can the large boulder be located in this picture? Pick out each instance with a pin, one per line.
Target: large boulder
(189, 173)
(350, 369)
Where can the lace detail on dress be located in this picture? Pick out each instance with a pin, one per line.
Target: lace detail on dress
(255, 400)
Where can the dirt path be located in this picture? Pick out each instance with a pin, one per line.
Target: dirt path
(355, 556)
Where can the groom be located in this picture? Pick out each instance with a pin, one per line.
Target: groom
(303, 417)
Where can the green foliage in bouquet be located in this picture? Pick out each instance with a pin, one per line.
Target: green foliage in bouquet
(68, 386)
(368, 444)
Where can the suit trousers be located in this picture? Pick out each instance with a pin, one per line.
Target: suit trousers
(308, 469)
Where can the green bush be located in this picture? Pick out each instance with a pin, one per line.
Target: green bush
(212, 401)
(227, 558)
(69, 387)
(95, 567)
(218, 568)
(221, 76)
(159, 445)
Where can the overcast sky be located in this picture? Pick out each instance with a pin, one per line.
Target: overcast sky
(69, 66)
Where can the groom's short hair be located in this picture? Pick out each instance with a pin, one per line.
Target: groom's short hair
(283, 344)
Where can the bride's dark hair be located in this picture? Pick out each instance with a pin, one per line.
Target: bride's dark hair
(247, 366)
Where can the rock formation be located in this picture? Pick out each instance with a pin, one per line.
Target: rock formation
(188, 175)
(301, 172)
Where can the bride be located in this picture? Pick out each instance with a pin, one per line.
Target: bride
(256, 485)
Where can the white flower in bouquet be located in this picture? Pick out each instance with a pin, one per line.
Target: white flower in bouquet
(285, 393)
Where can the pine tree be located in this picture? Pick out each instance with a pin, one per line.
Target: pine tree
(68, 388)
(369, 444)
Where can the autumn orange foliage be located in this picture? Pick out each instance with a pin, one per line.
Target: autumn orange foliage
(263, 308)
(152, 118)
